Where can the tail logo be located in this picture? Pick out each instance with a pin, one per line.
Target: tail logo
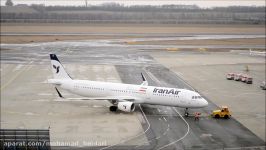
(56, 68)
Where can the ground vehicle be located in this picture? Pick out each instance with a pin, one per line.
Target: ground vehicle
(237, 77)
(223, 112)
(263, 85)
(244, 78)
(249, 80)
(230, 76)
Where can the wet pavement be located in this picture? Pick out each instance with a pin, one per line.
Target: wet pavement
(165, 128)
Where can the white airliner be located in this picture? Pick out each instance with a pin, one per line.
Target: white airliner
(124, 96)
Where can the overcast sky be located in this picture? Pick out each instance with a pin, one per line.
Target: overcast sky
(201, 3)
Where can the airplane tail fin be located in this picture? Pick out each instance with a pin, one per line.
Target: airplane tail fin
(58, 69)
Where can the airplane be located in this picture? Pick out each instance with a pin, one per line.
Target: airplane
(124, 97)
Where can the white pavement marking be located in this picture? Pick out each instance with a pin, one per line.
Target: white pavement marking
(250, 93)
(181, 137)
(134, 136)
(166, 115)
(249, 147)
(67, 51)
(164, 119)
(156, 80)
(164, 133)
(152, 76)
(186, 83)
(16, 75)
(17, 68)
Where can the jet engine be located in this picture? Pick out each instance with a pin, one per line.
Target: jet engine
(126, 106)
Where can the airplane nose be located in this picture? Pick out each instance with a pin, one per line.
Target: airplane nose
(204, 103)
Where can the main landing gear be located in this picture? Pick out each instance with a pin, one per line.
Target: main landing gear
(113, 108)
(186, 112)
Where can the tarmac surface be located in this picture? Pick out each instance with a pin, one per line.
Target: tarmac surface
(26, 99)
(118, 42)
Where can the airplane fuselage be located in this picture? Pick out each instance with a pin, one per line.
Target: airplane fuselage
(141, 94)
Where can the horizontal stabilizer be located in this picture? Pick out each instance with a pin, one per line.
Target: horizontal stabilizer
(59, 94)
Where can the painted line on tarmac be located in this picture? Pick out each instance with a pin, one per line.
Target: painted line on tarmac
(164, 119)
(186, 83)
(181, 137)
(248, 147)
(158, 137)
(134, 136)
(152, 76)
(16, 75)
(156, 80)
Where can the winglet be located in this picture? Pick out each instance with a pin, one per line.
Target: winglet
(143, 77)
(145, 82)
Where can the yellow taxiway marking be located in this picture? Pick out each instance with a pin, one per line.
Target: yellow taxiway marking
(16, 75)
(172, 49)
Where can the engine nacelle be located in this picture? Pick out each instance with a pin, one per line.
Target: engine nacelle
(126, 106)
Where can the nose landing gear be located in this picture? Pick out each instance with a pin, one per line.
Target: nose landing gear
(186, 112)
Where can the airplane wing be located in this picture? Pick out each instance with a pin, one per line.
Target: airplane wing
(118, 98)
(110, 99)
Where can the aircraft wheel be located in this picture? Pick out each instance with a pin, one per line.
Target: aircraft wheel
(217, 116)
(186, 112)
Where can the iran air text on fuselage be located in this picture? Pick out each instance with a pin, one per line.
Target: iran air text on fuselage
(166, 91)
